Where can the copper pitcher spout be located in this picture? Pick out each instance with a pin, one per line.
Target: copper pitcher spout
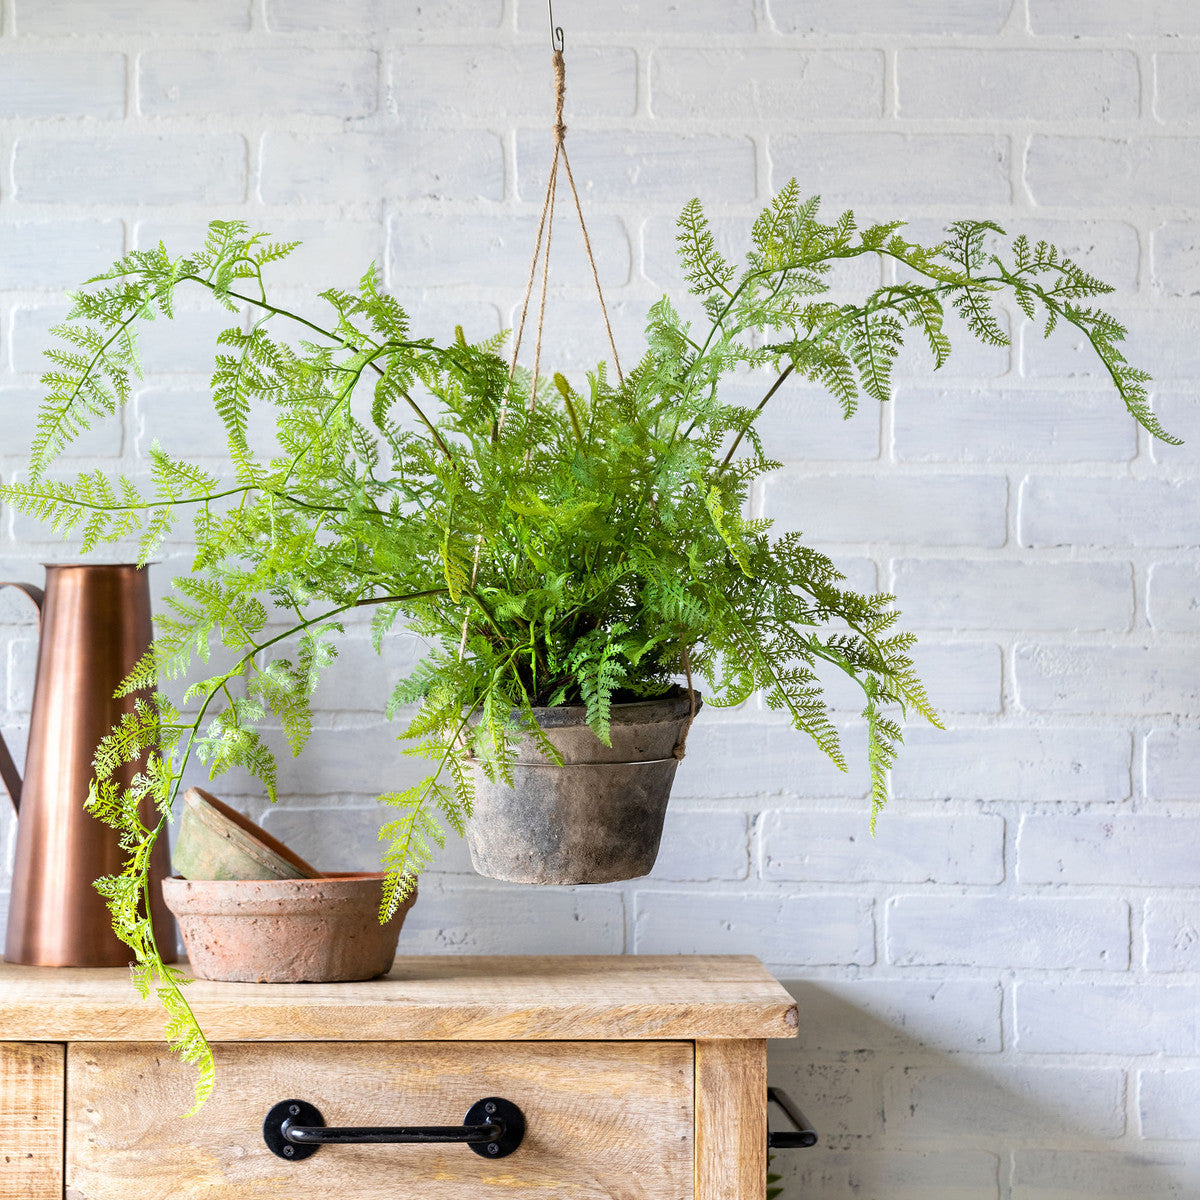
(95, 625)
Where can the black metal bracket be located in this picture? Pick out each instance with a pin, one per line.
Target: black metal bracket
(804, 1134)
(295, 1129)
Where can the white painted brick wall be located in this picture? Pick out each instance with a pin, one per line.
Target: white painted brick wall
(997, 994)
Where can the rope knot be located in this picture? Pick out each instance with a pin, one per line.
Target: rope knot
(560, 92)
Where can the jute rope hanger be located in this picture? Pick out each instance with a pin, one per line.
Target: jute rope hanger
(545, 229)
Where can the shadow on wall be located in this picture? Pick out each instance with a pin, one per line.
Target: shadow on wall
(955, 1117)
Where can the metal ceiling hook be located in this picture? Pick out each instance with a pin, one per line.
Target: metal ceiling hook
(556, 33)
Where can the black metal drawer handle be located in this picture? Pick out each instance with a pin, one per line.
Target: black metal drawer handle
(294, 1129)
(803, 1137)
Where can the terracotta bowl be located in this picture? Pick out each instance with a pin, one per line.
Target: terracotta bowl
(217, 842)
(285, 930)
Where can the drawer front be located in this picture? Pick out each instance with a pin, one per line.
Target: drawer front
(604, 1120)
(31, 1120)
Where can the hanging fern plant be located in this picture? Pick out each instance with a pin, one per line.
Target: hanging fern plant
(553, 543)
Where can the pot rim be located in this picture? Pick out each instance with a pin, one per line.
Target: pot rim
(654, 711)
(250, 897)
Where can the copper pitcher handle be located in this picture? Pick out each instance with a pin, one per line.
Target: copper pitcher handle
(8, 769)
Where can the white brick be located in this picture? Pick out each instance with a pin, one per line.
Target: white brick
(1086, 1175)
(1105, 1018)
(1161, 340)
(348, 761)
(1143, 850)
(188, 344)
(1176, 89)
(878, 17)
(1076, 765)
(1145, 171)
(57, 254)
(970, 359)
(53, 18)
(1173, 597)
(1109, 249)
(8, 841)
(361, 680)
(941, 510)
(18, 420)
(62, 84)
(1104, 248)
(936, 1174)
(379, 16)
(742, 759)
(844, 1099)
(1000, 931)
(1114, 18)
(22, 671)
(1026, 1103)
(338, 83)
(838, 847)
(897, 1015)
(574, 338)
(993, 594)
(301, 168)
(602, 81)
(16, 609)
(1171, 934)
(700, 845)
(876, 168)
(1175, 258)
(1179, 414)
(457, 916)
(31, 337)
(661, 264)
(495, 251)
(640, 16)
(633, 167)
(1012, 84)
(1011, 426)
(804, 425)
(333, 838)
(1106, 679)
(337, 837)
(960, 677)
(1169, 1104)
(184, 424)
(777, 927)
(1107, 512)
(1171, 758)
(332, 253)
(132, 168)
(437, 314)
(762, 84)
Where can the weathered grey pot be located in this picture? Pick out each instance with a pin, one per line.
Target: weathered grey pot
(597, 818)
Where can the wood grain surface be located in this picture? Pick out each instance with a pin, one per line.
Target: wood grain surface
(31, 1121)
(606, 1121)
(731, 1120)
(428, 998)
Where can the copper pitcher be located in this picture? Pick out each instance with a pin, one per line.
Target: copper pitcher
(95, 625)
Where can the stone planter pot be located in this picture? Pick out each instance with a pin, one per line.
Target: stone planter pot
(319, 930)
(596, 819)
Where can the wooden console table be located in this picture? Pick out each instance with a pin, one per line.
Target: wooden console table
(638, 1077)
